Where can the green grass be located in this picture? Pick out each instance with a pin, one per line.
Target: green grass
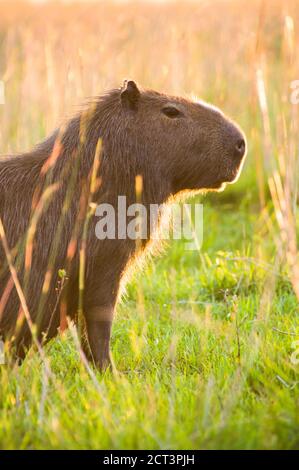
(203, 341)
(200, 365)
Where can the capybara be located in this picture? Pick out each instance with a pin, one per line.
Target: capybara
(172, 144)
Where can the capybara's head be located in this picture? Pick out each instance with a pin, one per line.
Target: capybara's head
(192, 143)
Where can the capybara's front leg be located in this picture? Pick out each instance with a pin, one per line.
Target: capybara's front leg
(98, 326)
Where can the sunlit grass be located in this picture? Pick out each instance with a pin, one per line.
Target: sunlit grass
(203, 342)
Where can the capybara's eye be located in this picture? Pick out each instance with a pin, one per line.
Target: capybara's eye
(171, 111)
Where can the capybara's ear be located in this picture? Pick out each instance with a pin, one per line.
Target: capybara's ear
(130, 94)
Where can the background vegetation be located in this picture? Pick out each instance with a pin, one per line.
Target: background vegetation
(205, 342)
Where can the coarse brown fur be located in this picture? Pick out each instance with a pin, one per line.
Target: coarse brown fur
(175, 144)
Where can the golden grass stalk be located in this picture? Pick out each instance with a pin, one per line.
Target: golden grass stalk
(22, 299)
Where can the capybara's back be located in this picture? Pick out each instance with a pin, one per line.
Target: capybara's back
(48, 197)
(27, 196)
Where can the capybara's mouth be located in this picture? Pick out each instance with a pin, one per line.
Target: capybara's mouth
(237, 158)
(221, 187)
(230, 178)
(234, 174)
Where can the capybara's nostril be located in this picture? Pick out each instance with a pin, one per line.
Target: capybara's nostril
(240, 148)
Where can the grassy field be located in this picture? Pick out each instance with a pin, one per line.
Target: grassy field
(205, 343)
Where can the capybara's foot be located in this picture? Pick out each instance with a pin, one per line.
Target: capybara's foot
(104, 364)
(97, 345)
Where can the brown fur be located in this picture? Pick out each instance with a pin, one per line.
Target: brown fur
(194, 150)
